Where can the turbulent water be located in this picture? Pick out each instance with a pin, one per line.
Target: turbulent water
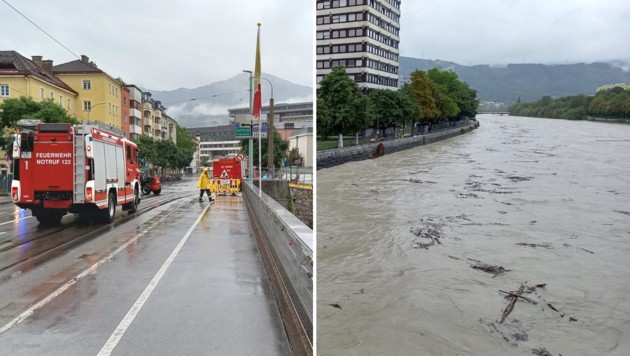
(415, 248)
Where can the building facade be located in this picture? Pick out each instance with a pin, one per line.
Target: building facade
(20, 76)
(363, 37)
(135, 112)
(214, 142)
(100, 95)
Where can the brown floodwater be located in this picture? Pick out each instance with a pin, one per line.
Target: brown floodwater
(539, 208)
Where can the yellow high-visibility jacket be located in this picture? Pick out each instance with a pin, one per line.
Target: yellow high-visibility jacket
(204, 180)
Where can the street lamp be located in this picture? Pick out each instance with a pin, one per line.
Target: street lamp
(270, 161)
(251, 138)
(90, 109)
(198, 137)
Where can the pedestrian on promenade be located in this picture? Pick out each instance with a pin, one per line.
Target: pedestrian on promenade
(204, 184)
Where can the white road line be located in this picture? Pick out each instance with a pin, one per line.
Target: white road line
(70, 283)
(13, 221)
(109, 346)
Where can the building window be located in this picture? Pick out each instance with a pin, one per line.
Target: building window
(42, 93)
(61, 100)
(4, 90)
(52, 95)
(68, 103)
(87, 85)
(87, 105)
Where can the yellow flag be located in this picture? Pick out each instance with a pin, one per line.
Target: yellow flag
(257, 87)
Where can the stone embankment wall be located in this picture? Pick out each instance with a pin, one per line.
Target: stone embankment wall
(302, 199)
(337, 156)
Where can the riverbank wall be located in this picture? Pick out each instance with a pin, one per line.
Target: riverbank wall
(337, 156)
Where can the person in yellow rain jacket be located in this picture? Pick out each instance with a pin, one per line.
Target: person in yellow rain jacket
(204, 184)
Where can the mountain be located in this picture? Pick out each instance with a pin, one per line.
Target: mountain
(208, 105)
(530, 82)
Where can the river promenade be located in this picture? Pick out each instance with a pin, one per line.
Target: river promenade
(336, 156)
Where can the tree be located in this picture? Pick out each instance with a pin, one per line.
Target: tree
(15, 109)
(280, 147)
(461, 95)
(346, 110)
(393, 107)
(148, 150)
(421, 87)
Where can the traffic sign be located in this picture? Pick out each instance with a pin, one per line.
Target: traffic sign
(239, 130)
(243, 132)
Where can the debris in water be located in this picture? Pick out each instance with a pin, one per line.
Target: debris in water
(544, 245)
(622, 212)
(518, 178)
(430, 231)
(335, 305)
(496, 270)
(583, 249)
(541, 352)
(509, 294)
(572, 319)
(423, 245)
(513, 298)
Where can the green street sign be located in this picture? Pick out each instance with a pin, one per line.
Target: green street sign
(243, 132)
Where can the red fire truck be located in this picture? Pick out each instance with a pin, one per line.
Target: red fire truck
(86, 169)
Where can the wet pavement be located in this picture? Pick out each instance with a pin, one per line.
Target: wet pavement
(184, 279)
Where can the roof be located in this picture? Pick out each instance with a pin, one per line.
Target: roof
(77, 66)
(13, 63)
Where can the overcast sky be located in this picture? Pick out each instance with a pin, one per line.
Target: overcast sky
(516, 31)
(163, 44)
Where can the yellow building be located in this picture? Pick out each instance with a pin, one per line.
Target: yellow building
(20, 76)
(99, 94)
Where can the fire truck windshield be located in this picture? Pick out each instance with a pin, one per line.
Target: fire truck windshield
(54, 127)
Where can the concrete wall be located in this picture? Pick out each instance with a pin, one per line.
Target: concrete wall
(337, 156)
(286, 247)
(277, 189)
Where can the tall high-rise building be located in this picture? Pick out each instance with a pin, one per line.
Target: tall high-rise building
(363, 37)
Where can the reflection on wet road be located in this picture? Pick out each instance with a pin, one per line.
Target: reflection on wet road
(513, 239)
(213, 295)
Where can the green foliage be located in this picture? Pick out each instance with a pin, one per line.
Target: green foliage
(421, 88)
(164, 153)
(148, 150)
(280, 147)
(345, 109)
(185, 141)
(15, 109)
(611, 103)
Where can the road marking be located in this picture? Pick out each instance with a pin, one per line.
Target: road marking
(13, 221)
(89, 270)
(109, 346)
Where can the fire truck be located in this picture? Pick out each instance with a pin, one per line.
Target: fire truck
(227, 174)
(86, 169)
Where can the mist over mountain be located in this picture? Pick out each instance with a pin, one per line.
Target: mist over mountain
(208, 105)
(530, 82)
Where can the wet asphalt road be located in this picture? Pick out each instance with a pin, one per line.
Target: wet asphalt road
(185, 278)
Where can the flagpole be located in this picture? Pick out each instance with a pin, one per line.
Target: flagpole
(257, 74)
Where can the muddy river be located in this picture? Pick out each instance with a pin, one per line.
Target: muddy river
(510, 240)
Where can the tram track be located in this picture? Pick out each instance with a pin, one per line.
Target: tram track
(39, 247)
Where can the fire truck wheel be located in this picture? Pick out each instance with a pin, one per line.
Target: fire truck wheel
(133, 206)
(146, 190)
(157, 191)
(110, 212)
